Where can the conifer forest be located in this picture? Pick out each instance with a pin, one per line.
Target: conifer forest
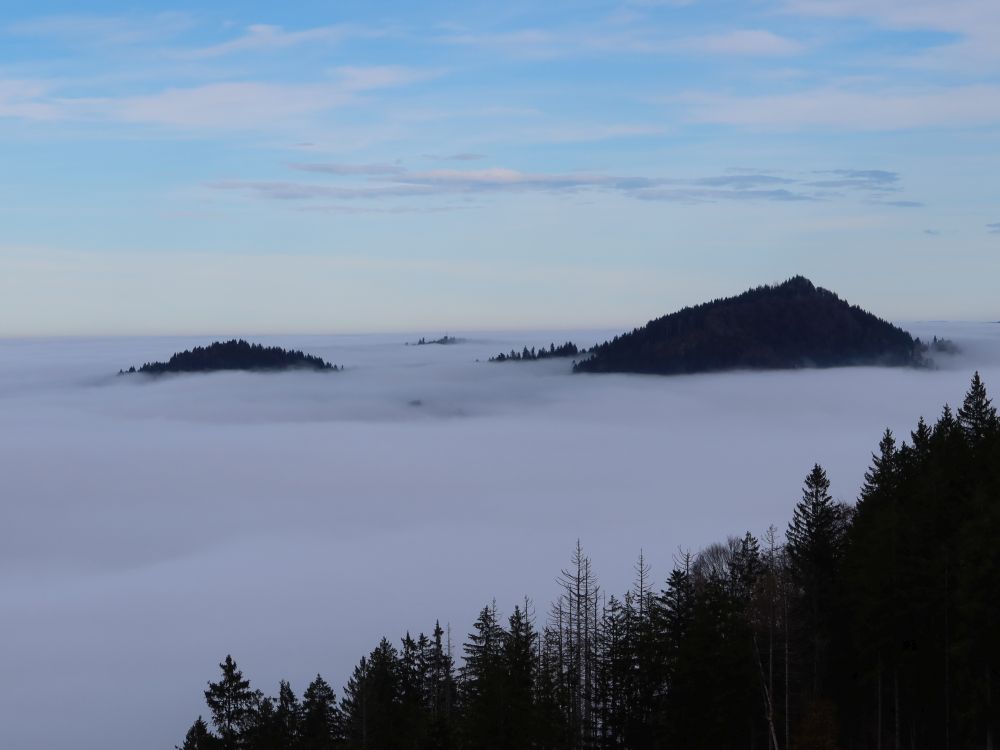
(873, 625)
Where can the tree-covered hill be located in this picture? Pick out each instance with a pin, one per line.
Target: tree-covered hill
(236, 354)
(789, 325)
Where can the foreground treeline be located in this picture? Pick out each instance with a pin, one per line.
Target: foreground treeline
(875, 625)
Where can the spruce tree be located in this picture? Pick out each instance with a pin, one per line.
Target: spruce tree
(921, 439)
(814, 541)
(881, 476)
(519, 673)
(199, 737)
(977, 416)
(483, 683)
(370, 706)
(231, 702)
(320, 723)
(440, 692)
(288, 715)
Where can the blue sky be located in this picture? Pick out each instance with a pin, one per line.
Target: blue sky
(341, 167)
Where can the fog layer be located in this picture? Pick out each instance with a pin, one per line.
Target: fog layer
(148, 527)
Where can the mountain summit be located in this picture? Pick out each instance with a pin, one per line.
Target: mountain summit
(789, 325)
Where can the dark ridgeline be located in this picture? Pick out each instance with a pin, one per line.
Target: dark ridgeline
(569, 349)
(794, 324)
(236, 354)
(874, 625)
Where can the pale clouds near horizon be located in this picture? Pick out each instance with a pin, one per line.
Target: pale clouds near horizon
(292, 520)
(154, 147)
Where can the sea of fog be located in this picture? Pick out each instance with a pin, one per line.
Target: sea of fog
(150, 527)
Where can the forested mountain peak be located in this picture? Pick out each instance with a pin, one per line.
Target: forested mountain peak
(788, 325)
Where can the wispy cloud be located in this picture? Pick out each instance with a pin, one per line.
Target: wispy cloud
(27, 100)
(242, 105)
(955, 15)
(697, 195)
(94, 30)
(839, 109)
(394, 181)
(350, 169)
(267, 38)
(250, 105)
(896, 203)
(366, 78)
(526, 43)
(627, 38)
(462, 156)
(994, 228)
(741, 42)
(285, 190)
(973, 24)
(872, 179)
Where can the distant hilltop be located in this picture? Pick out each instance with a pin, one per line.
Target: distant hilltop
(446, 339)
(789, 325)
(236, 354)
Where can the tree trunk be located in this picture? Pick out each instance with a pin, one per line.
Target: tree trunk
(895, 700)
(878, 736)
(788, 744)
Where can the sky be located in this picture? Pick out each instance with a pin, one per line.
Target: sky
(345, 167)
(151, 526)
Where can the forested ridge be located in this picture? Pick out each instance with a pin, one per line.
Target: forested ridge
(788, 325)
(872, 625)
(235, 354)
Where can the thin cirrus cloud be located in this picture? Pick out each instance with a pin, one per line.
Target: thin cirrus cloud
(874, 179)
(229, 105)
(972, 26)
(839, 109)
(102, 31)
(238, 105)
(963, 16)
(394, 181)
(630, 39)
(351, 169)
(27, 100)
(268, 38)
(742, 42)
(993, 228)
(462, 156)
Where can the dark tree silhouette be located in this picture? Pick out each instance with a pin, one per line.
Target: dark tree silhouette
(232, 703)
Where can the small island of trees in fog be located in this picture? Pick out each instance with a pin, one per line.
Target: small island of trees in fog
(236, 354)
(871, 625)
(569, 349)
(444, 340)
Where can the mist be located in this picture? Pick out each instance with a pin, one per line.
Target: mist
(152, 526)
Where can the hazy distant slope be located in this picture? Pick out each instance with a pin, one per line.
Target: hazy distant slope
(235, 355)
(793, 324)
